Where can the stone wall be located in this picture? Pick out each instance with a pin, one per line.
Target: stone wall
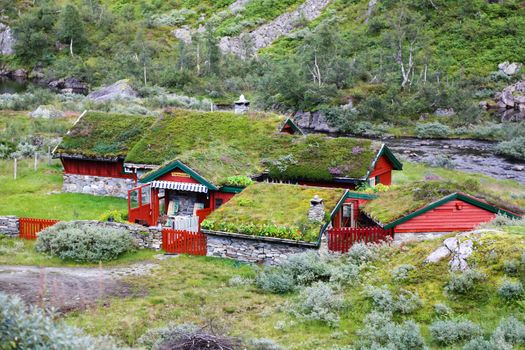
(252, 250)
(97, 185)
(9, 226)
(145, 237)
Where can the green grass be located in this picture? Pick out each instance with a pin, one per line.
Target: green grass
(195, 289)
(279, 206)
(15, 251)
(36, 194)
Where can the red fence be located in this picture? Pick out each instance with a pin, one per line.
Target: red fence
(29, 227)
(184, 242)
(341, 239)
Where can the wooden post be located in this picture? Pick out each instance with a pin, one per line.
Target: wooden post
(48, 155)
(35, 165)
(14, 169)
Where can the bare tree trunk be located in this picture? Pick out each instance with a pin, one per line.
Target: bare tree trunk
(71, 46)
(145, 77)
(198, 59)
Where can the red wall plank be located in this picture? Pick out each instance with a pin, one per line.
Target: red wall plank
(95, 168)
(383, 169)
(455, 215)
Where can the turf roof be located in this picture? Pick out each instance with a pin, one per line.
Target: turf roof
(404, 200)
(260, 209)
(104, 136)
(219, 145)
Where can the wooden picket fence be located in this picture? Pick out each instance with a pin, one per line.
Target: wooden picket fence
(29, 227)
(184, 242)
(341, 239)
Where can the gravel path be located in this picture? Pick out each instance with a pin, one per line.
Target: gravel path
(67, 288)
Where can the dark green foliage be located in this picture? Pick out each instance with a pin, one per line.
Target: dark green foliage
(432, 130)
(511, 291)
(514, 148)
(84, 242)
(70, 29)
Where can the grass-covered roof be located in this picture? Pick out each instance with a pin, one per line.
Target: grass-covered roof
(274, 210)
(103, 136)
(400, 201)
(219, 145)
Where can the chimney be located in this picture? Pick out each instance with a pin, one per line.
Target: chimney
(242, 105)
(316, 211)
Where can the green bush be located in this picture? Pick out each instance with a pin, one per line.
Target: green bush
(514, 148)
(432, 130)
(452, 332)
(23, 328)
(481, 344)
(381, 332)
(464, 282)
(511, 331)
(383, 300)
(319, 303)
(276, 280)
(510, 291)
(84, 242)
(401, 272)
(442, 310)
(511, 267)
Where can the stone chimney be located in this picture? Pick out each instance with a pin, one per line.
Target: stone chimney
(316, 211)
(242, 105)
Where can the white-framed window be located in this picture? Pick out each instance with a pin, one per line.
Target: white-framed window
(372, 182)
(348, 215)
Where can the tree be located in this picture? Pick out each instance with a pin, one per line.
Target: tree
(70, 28)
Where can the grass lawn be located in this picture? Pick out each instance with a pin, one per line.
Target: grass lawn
(36, 194)
(196, 289)
(14, 251)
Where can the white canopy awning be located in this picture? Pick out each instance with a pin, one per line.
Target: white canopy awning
(180, 186)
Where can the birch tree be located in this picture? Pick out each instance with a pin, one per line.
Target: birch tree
(70, 28)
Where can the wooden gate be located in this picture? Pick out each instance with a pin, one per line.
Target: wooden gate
(341, 239)
(29, 227)
(184, 242)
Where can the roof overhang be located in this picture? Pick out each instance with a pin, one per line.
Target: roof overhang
(154, 175)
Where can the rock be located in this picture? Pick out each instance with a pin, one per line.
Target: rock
(120, 89)
(238, 6)
(19, 73)
(183, 34)
(313, 121)
(511, 101)
(509, 68)
(518, 167)
(68, 85)
(46, 112)
(438, 255)
(444, 112)
(7, 40)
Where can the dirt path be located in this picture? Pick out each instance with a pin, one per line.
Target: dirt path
(68, 288)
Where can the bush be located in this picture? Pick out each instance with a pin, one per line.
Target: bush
(514, 148)
(263, 344)
(84, 242)
(452, 332)
(481, 344)
(319, 303)
(511, 267)
(510, 291)
(276, 280)
(401, 272)
(407, 302)
(383, 300)
(361, 253)
(345, 274)
(381, 332)
(464, 282)
(510, 330)
(442, 310)
(432, 130)
(23, 328)
(237, 281)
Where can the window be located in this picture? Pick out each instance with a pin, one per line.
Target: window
(372, 181)
(145, 195)
(377, 180)
(347, 219)
(218, 202)
(134, 198)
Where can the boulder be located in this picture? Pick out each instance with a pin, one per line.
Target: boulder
(120, 89)
(7, 40)
(315, 121)
(68, 85)
(511, 101)
(509, 68)
(459, 248)
(47, 112)
(444, 112)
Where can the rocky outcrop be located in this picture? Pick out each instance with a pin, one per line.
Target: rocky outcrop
(508, 68)
(47, 112)
(119, 90)
(511, 102)
(69, 85)
(249, 43)
(7, 40)
(314, 121)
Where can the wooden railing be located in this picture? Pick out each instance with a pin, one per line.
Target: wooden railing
(184, 242)
(341, 239)
(29, 227)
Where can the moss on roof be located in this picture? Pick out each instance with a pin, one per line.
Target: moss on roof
(273, 210)
(219, 145)
(403, 200)
(102, 135)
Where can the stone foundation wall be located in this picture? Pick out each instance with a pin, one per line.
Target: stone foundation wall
(97, 185)
(9, 226)
(144, 237)
(252, 250)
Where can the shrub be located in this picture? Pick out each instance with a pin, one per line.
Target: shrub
(319, 303)
(440, 161)
(407, 302)
(510, 330)
(307, 267)
(464, 282)
(381, 332)
(481, 344)
(511, 267)
(510, 291)
(114, 216)
(442, 309)
(263, 344)
(84, 242)
(276, 280)
(432, 130)
(452, 332)
(401, 272)
(345, 274)
(514, 148)
(237, 281)
(383, 300)
(31, 328)
(362, 253)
